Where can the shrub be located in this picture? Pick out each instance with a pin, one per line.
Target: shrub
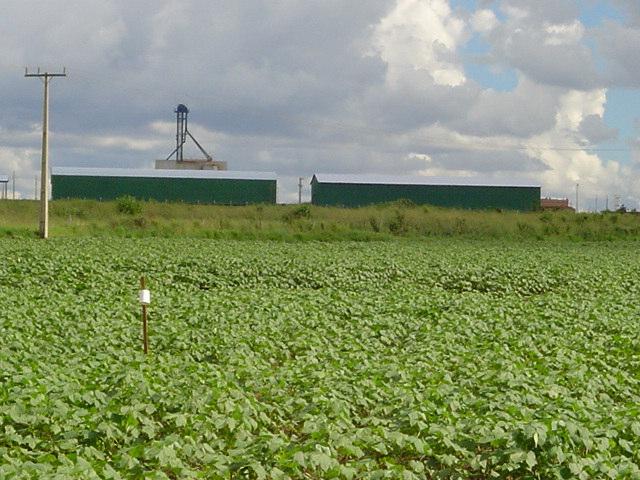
(140, 222)
(302, 211)
(374, 224)
(546, 217)
(398, 224)
(129, 205)
(403, 203)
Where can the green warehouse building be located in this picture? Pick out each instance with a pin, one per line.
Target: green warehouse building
(457, 192)
(191, 186)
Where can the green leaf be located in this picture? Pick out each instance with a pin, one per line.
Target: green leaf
(299, 458)
(259, 470)
(531, 459)
(322, 460)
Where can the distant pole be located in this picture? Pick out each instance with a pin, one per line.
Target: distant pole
(44, 174)
(596, 203)
(300, 190)
(577, 197)
(35, 193)
(606, 208)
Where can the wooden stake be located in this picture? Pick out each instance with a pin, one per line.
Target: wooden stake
(145, 333)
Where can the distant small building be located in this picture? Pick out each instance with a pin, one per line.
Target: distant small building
(189, 164)
(555, 204)
(190, 186)
(457, 192)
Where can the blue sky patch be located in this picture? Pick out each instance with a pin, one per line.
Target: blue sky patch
(622, 111)
(487, 75)
(504, 80)
(471, 5)
(592, 14)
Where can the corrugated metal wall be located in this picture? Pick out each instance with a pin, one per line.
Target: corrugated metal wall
(190, 190)
(458, 196)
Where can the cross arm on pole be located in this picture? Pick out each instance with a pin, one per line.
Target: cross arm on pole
(45, 74)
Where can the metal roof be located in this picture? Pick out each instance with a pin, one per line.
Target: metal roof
(415, 180)
(4, 178)
(150, 173)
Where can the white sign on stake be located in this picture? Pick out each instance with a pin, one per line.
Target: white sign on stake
(145, 297)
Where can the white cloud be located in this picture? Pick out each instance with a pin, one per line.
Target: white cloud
(170, 18)
(124, 142)
(512, 112)
(422, 157)
(557, 156)
(421, 35)
(576, 105)
(483, 21)
(21, 163)
(28, 136)
(515, 13)
(446, 172)
(564, 34)
(594, 130)
(618, 46)
(569, 164)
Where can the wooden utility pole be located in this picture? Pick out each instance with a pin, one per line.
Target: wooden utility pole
(300, 190)
(44, 174)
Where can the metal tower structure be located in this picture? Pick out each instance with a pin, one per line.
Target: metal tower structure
(182, 132)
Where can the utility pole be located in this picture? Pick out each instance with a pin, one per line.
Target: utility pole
(44, 174)
(300, 190)
(577, 197)
(607, 204)
(596, 203)
(35, 191)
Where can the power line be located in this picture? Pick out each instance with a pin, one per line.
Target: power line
(345, 128)
(573, 149)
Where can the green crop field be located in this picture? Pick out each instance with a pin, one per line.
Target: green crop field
(404, 359)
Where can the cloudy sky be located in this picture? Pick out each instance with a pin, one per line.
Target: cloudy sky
(544, 90)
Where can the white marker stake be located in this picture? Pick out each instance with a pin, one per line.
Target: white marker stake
(145, 300)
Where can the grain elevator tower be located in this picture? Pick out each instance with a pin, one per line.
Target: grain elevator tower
(176, 160)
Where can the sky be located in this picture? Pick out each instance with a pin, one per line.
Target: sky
(509, 90)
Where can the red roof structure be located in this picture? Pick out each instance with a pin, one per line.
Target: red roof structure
(555, 204)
